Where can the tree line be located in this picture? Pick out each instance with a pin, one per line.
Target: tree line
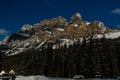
(90, 58)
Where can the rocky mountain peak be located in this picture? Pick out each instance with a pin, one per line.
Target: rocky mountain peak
(76, 18)
(101, 24)
(25, 29)
(78, 15)
(98, 24)
(55, 29)
(54, 22)
(58, 22)
(97, 27)
(44, 22)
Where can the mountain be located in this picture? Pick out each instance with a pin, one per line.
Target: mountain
(43, 41)
(53, 30)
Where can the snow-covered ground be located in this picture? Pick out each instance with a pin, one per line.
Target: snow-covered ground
(31, 78)
(51, 78)
(40, 78)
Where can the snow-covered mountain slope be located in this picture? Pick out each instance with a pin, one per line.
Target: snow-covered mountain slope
(56, 31)
(61, 42)
(109, 35)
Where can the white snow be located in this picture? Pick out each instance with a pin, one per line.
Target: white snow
(113, 35)
(24, 26)
(13, 45)
(38, 40)
(12, 50)
(109, 35)
(27, 25)
(16, 52)
(7, 51)
(41, 77)
(60, 29)
(37, 24)
(48, 32)
(40, 45)
(27, 44)
(88, 23)
(98, 36)
(68, 42)
(76, 25)
(23, 34)
(25, 78)
(78, 15)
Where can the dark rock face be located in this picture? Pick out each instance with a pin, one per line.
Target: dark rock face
(18, 36)
(76, 18)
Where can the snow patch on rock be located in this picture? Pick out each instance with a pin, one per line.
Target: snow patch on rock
(60, 29)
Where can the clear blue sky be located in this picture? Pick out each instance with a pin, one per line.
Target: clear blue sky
(15, 13)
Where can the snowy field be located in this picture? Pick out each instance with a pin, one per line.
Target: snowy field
(39, 77)
(50, 78)
(31, 78)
